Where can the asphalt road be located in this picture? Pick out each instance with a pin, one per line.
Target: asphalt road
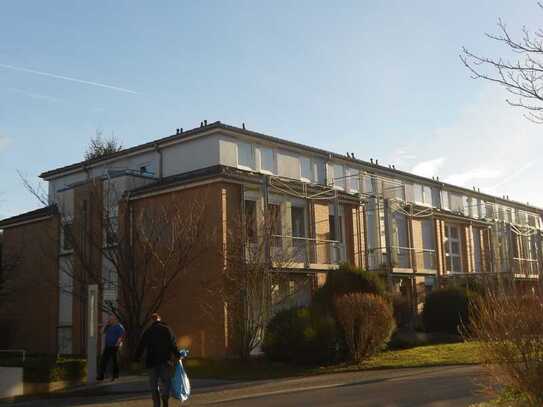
(450, 387)
(439, 386)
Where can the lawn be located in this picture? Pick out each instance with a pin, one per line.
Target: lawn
(256, 369)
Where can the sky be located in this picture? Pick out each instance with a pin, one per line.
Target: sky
(380, 79)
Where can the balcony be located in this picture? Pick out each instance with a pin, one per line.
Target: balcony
(302, 252)
(525, 268)
(403, 259)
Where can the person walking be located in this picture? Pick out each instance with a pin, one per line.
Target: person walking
(114, 334)
(161, 350)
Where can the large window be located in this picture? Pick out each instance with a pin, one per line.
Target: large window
(453, 248)
(353, 184)
(445, 200)
(298, 221)
(338, 176)
(306, 170)
(245, 155)
(266, 159)
(288, 165)
(422, 194)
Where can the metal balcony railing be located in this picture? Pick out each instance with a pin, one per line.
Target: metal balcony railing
(401, 258)
(525, 267)
(287, 251)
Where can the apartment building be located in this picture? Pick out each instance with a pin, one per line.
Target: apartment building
(327, 208)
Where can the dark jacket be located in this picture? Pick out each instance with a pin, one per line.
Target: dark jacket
(159, 342)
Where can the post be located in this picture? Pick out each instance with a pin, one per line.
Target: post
(92, 332)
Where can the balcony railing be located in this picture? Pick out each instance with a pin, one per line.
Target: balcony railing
(294, 251)
(401, 258)
(523, 267)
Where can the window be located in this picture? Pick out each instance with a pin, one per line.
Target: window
(146, 168)
(466, 202)
(456, 203)
(305, 168)
(453, 249)
(288, 166)
(245, 155)
(353, 184)
(298, 221)
(338, 176)
(266, 159)
(367, 184)
(417, 193)
(477, 250)
(445, 200)
(66, 236)
(318, 171)
(250, 220)
(422, 194)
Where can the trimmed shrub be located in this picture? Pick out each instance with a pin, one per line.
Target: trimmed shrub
(446, 310)
(345, 280)
(367, 323)
(301, 336)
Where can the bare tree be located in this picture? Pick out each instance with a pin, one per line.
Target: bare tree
(143, 258)
(36, 190)
(136, 254)
(256, 260)
(521, 74)
(101, 147)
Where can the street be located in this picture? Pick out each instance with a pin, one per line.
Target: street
(438, 386)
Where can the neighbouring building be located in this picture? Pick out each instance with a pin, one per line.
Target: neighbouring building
(332, 208)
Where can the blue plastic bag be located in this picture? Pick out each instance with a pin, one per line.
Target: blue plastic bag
(180, 388)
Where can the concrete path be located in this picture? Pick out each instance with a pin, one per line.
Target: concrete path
(438, 386)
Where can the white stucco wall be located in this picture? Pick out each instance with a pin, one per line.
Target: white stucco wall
(190, 155)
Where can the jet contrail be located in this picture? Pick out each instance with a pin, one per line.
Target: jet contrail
(67, 78)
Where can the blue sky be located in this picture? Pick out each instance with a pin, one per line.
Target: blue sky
(381, 79)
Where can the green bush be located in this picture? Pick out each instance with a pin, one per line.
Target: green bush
(345, 280)
(46, 369)
(446, 310)
(300, 335)
(367, 323)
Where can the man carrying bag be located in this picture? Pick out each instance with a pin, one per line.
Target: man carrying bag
(160, 345)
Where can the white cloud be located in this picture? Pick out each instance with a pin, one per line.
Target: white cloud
(428, 168)
(467, 178)
(490, 145)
